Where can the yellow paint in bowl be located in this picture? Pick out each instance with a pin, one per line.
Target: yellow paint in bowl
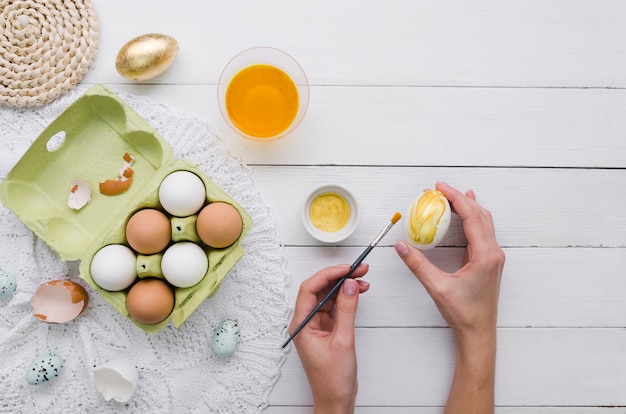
(262, 101)
(329, 212)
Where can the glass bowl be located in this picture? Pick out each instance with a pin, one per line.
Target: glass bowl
(263, 94)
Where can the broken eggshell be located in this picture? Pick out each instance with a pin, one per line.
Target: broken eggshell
(8, 285)
(80, 194)
(59, 301)
(116, 380)
(226, 338)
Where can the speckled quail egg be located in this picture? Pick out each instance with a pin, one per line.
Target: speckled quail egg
(45, 367)
(428, 219)
(8, 285)
(226, 338)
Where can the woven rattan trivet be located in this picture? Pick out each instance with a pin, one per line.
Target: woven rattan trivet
(46, 47)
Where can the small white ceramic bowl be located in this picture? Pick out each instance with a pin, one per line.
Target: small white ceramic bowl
(331, 236)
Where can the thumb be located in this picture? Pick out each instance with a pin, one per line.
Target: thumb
(417, 263)
(345, 309)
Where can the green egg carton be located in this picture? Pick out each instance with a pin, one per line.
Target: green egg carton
(87, 142)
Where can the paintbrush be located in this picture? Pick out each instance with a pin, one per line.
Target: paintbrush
(356, 264)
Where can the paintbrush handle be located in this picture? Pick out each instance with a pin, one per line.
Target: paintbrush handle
(330, 293)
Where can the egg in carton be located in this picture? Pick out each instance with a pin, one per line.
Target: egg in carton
(69, 189)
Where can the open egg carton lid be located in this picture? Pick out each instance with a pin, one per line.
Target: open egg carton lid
(87, 142)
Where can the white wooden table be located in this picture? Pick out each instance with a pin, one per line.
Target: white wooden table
(522, 100)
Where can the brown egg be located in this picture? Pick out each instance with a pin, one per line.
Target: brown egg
(148, 231)
(150, 301)
(219, 225)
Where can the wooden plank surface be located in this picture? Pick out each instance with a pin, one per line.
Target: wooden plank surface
(541, 288)
(576, 128)
(535, 367)
(531, 207)
(438, 410)
(560, 43)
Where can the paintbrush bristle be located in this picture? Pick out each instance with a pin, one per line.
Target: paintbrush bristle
(396, 217)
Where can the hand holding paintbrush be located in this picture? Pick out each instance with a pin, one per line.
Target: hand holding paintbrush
(337, 285)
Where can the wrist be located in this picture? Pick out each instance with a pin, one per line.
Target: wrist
(476, 356)
(337, 407)
(476, 342)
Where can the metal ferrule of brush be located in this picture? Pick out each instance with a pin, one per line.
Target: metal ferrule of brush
(381, 235)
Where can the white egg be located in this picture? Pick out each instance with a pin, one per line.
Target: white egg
(428, 219)
(182, 193)
(114, 267)
(184, 264)
(226, 338)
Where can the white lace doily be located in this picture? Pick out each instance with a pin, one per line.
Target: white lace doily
(178, 372)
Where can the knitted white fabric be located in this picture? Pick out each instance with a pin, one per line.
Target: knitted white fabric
(178, 372)
(46, 47)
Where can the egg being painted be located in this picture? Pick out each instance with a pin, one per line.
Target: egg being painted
(428, 219)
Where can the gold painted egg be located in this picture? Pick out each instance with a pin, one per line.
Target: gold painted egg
(428, 219)
(146, 56)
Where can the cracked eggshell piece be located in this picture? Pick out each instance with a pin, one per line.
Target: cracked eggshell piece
(116, 380)
(59, 301)
(80, 194)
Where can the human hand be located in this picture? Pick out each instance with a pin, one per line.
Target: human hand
(468, 301)
(326, 345)
(468, 298)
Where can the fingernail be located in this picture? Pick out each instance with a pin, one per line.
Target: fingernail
(350, 287)
(443, 183)
(363, 283)
(402, 249)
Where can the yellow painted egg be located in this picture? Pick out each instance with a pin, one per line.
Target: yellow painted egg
(146, 56)
(428, 219)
